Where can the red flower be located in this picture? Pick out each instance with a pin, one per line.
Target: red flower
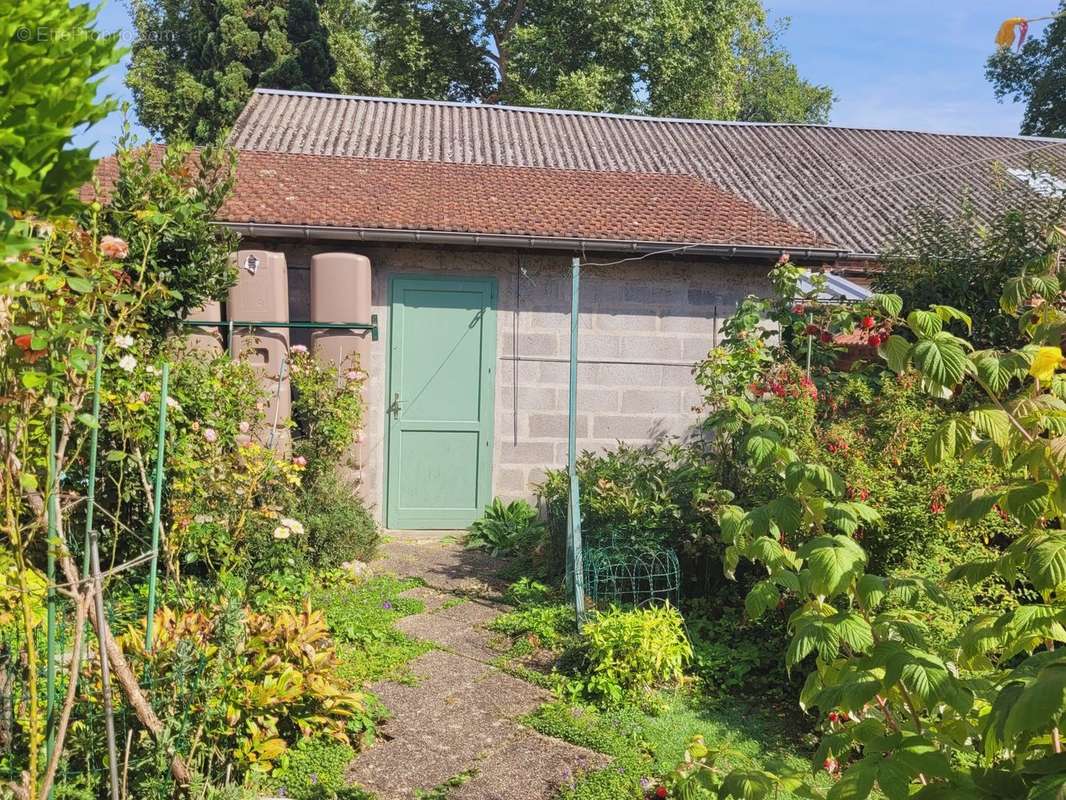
(661, 792)
(23, 342)
(936, 507)
(831, 765)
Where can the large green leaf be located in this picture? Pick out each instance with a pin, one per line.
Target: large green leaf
(941, 359)
(897, 353)
(833, 562)
(1027, 502)
(997, 370)
(1040, 704)
(1046, 566)
(972, 506)
(925, 323)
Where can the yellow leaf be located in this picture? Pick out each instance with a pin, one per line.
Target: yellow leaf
(1046, 360)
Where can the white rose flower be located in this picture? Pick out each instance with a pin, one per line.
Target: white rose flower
(281, 532)
(293, 525)
(124, 342)
(128, 363)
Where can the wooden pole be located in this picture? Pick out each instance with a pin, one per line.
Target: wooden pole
(105, 668)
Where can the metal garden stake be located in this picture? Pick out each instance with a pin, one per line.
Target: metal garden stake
(157, 495)
(105, 667)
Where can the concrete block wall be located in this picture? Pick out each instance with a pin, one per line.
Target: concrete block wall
(643, 326)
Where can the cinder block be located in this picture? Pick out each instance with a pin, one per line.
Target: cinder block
(630, 375)
(651, 401)
(509, 479)
(555, 426)
(598, 345)
(626, 323)
(592, 399)
(695, 348)
(611, 426)
(699, 324)
(653, 294)
(651, 348)
(530, 398)
(525, 452)
(527, 344)
(706, 297)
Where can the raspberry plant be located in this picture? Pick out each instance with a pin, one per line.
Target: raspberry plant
(980, 718)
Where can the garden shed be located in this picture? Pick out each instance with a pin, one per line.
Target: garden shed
(469, 216)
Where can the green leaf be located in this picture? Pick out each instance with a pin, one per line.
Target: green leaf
(972, 506)
(994, 423)
(925, 323)
(853, 630)
(1027, 502)
(897, 353)
(997, 370)
(942, 446)
(1046, 566)
(34, 380)
(88, 421)
(1040, 704)
(856, 783)
(871, 590)
(941, 360)
(833, 562)
(762, 597)
(79, 285)
(948, 313)
(889, 304)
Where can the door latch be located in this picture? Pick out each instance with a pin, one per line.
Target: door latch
(394, 406)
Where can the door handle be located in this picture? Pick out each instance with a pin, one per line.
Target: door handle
(394, 406)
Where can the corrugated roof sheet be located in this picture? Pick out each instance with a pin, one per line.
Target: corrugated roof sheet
(851, 186)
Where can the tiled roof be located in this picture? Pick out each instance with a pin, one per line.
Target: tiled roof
(429, 196)
(394, 195)
(851, 186)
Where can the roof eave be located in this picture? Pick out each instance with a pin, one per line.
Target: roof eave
(406, 236)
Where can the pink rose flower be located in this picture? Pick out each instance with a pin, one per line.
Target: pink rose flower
(243, 427)
(114, 247)
(243, 440)
(210, 435)
(298, 349)
(300, 461)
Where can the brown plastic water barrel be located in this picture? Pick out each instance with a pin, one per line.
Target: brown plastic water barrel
(340, 292)
(205, 340)
(262, 295)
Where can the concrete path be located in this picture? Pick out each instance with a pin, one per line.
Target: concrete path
(456, 723)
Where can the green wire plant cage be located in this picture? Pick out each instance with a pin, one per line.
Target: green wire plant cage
(631, 574)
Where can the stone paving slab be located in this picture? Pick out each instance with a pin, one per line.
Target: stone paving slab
(528, 766)
(460, 713)
(441, 565)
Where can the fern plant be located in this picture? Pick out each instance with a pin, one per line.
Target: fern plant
(503, 526)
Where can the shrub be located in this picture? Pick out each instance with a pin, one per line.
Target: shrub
(543, 625)
(631, 652)
(339, 526)
(659, 495)
(501, 528)
(246, 686)
(313, 769)
(328, 409)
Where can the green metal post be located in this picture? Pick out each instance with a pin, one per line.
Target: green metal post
(90, 495)
(53, 536)
(573, 516)
(161, 443)
(810, 344)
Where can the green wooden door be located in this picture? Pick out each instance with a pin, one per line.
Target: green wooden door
(442, 358)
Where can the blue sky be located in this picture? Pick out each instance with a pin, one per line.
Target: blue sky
(897, 64)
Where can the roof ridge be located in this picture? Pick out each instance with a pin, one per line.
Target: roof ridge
(642, 118)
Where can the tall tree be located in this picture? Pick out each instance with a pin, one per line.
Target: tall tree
(194, 64)
(690, 58)
(194, 67)
(1036, 74)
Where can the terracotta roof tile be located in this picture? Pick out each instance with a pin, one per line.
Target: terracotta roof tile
(392, 194)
